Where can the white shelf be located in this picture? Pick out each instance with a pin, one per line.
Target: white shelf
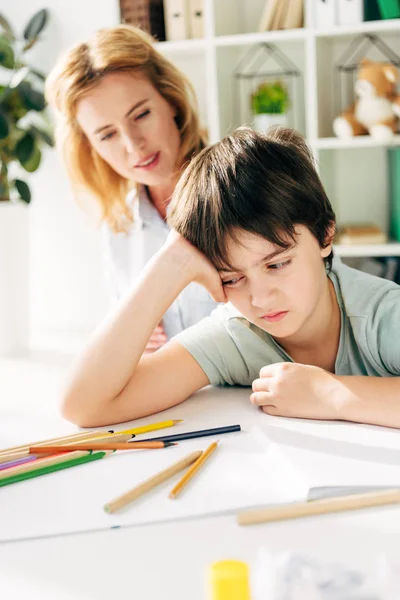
(383, 26)
(390, 249)
(182, 46)
(356, 180)
(242, 39)
(361, 141)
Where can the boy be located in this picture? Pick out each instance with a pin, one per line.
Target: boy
(254, 226)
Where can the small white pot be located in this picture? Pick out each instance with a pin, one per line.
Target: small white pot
(264, 121)
(14, 278)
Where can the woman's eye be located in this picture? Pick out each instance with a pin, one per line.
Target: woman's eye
(142, 115)
(280, 265)
(107, 136)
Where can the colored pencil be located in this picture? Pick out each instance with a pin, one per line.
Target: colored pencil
(84, 436)
(151, 483)
(52, 468)
(189, 435)
(100, 446)
(319, 507)
(188, 476)
(41, 462)
(153, 426)
(15, 463)
(47, 449)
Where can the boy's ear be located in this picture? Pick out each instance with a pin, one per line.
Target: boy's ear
(329, 241)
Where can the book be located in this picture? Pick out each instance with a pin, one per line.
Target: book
(350, 12)
(176, 20)
(361, 234)
(394, 192)
(390, 9)
(268, 14)
(371, 10)
(324, 14)
(196, 18)
(294, 15)
(279, 16)
(146, 14)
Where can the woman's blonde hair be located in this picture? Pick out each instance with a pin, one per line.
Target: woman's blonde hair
(119, 49)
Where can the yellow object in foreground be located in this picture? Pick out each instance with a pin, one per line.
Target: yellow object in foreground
(228, 580)
(193, 469)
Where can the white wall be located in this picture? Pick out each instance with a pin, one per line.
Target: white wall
(68, 295)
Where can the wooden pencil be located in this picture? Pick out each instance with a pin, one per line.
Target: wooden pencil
(188, 476)
(52, 468)
(151, 483)
(319, 507)
(47, 449)
(41, 462)
(84, 436)
(100, 446)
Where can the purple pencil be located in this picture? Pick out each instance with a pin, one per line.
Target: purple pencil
(20, 461)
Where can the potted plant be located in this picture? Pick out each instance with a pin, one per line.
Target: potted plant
(23, 124)
(23, 131)
(269, 103)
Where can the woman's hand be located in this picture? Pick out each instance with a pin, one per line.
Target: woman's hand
(198, 267)
(158, 338)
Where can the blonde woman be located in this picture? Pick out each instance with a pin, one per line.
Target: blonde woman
(127, 125)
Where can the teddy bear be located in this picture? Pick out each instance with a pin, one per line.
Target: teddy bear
(376, 110)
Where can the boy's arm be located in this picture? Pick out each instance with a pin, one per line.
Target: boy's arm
(305, 391)
(373, 400)
(111, 381)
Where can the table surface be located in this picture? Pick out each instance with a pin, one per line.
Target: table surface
(170, 560)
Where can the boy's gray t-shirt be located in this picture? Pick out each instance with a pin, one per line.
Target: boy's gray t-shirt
(232, 350)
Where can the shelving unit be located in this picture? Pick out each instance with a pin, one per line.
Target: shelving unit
(354, 171)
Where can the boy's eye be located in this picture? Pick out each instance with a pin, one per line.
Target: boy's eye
(280, 265)
(233, 281)
(142, 115)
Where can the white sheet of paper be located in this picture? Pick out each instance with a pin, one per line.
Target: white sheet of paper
(329, 467)
(241, 473)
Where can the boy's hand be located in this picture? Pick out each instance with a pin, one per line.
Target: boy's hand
(198, 267)
(296, 390)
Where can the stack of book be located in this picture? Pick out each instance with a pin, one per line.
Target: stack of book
(282, 14)
(329, 13)
(361, 234)
(170, 20)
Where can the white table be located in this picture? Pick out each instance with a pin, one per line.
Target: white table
(169, 560)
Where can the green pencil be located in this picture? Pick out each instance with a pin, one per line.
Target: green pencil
(51, 468)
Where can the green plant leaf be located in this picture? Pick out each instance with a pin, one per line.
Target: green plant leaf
(6, 54)
(23, 190)
(19, 77)
(38, 74)
(6, 27)
(43, 135)
(4, 127)
(36, 24)
(33, 99)
(25, 148)
(33, 163)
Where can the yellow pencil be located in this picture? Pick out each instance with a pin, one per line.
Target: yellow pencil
(152, 427)
(193, 469)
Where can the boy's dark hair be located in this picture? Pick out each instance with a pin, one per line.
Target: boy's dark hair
(262, 184)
